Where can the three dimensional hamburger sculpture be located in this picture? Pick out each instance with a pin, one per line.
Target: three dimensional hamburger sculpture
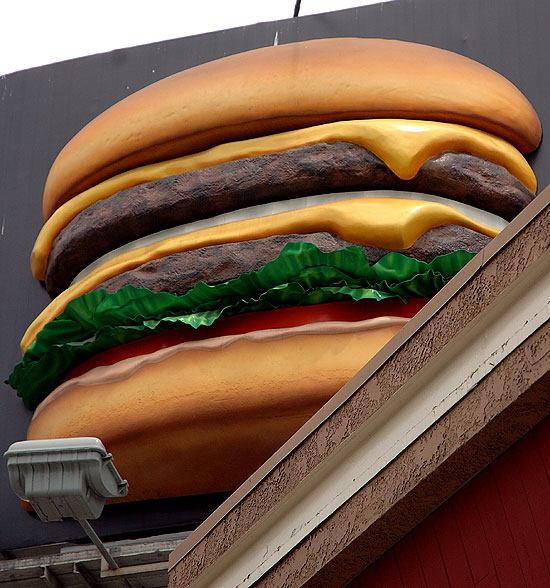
(228, 246)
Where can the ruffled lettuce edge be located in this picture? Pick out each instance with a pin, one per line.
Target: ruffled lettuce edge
(301, 275)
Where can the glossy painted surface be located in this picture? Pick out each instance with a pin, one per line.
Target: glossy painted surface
(403, 145)
(253, 321)
(390, 223)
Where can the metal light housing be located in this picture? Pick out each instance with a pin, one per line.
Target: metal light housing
(64, 477)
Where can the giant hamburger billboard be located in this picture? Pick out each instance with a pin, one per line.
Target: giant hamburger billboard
(227, 247)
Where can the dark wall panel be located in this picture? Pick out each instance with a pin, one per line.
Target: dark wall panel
(40, 109)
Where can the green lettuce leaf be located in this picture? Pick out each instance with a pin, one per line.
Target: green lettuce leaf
(300, 275)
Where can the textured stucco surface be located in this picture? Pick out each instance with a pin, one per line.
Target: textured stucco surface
(501, 409)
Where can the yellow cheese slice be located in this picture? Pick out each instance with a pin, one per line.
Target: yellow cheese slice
(390, 223)
(403, 145)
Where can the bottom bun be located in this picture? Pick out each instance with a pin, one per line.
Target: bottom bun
(200, 417)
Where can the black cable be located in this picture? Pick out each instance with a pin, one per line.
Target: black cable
(297, 8)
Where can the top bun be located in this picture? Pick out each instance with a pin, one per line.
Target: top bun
(286, 87)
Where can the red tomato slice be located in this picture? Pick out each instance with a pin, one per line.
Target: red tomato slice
(254, 321)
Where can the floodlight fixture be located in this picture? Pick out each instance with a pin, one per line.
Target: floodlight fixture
(66, 478)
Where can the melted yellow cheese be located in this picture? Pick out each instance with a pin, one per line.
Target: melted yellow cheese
(390, 223)
(403, 145)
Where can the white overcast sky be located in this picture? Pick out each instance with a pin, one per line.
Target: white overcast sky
(37, 32)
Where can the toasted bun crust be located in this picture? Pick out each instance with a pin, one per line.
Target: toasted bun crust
(230, 406)
(286, 87)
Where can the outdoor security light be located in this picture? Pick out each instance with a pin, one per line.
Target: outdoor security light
(66, 478)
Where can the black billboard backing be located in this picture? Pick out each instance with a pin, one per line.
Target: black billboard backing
(42, 108)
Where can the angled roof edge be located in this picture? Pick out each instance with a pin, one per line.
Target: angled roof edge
(475, 331)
